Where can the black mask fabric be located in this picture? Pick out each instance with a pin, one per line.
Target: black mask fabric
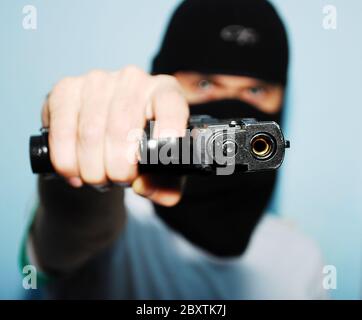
(237, 37)
(218, 213)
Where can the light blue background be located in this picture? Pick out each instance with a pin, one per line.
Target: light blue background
(320, 185)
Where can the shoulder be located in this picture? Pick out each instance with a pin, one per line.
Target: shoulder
(287, 260)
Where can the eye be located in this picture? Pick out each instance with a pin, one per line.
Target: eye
(205, 84)
(256, 91)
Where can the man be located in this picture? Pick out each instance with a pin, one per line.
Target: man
(169, 237)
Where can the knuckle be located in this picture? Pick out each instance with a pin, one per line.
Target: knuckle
(132, 71)
(96, 74)
(62, 89)
(64, 84)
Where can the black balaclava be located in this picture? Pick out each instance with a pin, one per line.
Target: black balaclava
(236, 37)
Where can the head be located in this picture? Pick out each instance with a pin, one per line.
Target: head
(233, 49)
(231, 59)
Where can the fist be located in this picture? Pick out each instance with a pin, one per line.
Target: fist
(90, 119)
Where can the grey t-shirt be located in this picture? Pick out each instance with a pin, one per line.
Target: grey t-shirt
(151, 261)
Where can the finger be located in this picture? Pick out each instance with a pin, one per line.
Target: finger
(126, 119)
(63, 108)
(170, 109)
(96, 96)
(163, 190)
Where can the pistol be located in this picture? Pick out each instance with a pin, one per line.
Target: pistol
(209, 146)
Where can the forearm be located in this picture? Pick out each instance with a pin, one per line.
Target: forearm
(72, 225)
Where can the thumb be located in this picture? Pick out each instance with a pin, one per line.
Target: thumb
(161, 189)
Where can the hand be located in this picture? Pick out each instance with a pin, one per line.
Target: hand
(90, 119)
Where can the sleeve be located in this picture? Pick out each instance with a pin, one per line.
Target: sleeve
(27, 255)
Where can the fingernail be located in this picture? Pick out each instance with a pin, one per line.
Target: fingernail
(75, 182)
(170, 200)
(138, 186)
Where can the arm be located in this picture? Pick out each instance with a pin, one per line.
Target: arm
(89, 120)
(72, 225)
